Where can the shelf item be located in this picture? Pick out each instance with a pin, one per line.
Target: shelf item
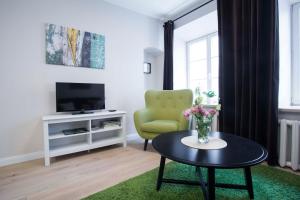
(74, 131)
(66, 133)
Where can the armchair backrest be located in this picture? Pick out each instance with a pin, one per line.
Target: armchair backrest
(168, 104)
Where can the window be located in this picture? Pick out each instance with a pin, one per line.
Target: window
(203, 65)
(296, 54)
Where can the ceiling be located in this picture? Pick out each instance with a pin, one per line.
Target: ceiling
(160, 9)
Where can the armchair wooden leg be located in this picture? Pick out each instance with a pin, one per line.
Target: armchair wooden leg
(145, 144)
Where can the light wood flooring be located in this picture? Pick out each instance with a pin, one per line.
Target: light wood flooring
(78, 175)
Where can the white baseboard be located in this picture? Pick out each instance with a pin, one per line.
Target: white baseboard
(21, 158)
(40, 154)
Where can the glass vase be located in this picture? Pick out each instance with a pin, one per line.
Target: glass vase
(203, 128)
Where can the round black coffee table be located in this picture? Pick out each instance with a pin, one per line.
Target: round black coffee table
(239, 153)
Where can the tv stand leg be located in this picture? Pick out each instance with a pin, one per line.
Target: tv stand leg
(47, 161)
(46, 144)
(123, 131)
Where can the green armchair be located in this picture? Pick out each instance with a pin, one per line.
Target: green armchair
(163, 113)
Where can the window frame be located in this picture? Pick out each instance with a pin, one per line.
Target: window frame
(295, 91)
(206, 37)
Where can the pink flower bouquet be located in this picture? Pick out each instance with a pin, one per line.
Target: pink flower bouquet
(203, 118)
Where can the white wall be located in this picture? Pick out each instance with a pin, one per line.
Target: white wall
(284, 52)
(159, 71)
(27, 84)
(154, 80)
(179, 63)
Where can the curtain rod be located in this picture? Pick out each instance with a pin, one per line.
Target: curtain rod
(192, 10)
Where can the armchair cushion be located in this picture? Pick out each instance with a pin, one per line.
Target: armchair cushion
(160, 126)
(163, 112)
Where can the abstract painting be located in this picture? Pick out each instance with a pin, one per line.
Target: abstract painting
(72, 47)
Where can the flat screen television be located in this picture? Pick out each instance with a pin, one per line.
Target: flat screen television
(79, 97)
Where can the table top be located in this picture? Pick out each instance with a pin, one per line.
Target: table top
(240, 152)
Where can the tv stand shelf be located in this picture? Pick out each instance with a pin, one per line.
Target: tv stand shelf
(103, 129)
(62, 135)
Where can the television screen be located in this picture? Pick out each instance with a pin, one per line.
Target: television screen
(79, 97)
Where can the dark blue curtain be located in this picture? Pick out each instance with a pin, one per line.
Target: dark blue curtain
(249, 70)
(168, 55)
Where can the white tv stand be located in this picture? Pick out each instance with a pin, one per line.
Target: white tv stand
(101, 129)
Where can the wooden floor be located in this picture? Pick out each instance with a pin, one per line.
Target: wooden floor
(78, 175)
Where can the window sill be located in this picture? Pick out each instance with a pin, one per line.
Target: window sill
(289, 109)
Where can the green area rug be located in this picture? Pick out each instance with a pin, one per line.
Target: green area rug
(268, 182)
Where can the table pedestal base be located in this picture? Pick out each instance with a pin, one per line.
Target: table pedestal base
(208, 187)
